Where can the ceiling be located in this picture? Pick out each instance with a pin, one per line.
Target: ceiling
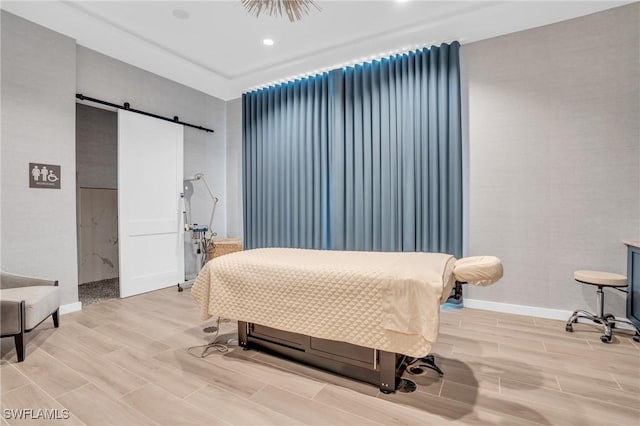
(218, 48)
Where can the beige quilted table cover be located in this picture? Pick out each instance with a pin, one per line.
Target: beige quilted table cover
(386, 301)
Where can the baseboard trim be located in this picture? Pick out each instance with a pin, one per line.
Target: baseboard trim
(532, 311)
(509, 308)
(70, 307)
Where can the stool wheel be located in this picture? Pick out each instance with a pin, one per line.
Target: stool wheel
(605, 339)
(568, 328)
(637, 337)
(609, 317)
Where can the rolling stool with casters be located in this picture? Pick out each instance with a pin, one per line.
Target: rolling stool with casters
(607, 321)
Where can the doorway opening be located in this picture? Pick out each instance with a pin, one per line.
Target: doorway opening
(97, 205)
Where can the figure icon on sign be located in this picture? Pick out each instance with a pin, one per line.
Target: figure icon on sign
(52, 176)
(44, 172)
(35, 173)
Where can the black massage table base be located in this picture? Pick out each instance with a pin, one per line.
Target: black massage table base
(379, 368)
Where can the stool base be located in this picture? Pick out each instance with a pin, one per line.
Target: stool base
(607, 322)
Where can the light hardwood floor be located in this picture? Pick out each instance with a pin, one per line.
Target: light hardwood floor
(125, 362)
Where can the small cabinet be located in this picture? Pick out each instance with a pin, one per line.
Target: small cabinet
(222, 246)
(633, 275)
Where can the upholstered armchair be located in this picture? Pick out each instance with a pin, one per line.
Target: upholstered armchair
(25, 302)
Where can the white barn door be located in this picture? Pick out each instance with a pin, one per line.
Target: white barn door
(150, 222)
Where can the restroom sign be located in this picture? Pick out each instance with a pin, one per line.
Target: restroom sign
(44, 176)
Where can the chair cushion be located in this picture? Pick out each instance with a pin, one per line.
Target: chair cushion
(9, 318)
(40, 301)
(601, 278)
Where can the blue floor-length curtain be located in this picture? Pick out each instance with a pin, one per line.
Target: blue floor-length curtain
(367, 157)
(285, 164)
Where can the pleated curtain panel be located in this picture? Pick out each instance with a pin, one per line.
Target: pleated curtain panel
(367, 157)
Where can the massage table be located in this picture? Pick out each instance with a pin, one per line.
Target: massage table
(365, 315)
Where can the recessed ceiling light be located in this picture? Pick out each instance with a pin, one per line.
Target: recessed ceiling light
(267, 42)
(180, 13)
(402, 1)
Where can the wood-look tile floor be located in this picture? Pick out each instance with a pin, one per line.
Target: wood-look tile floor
(125, 362)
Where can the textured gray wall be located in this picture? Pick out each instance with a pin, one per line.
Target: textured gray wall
(234, 168)
(554, 153)
(38, 125)
(96, 147)
(103, 77)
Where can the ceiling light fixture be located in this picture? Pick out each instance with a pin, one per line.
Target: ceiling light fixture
(294, 9)
(267, 42)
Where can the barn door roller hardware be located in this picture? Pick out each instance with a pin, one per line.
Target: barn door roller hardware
(127, 107)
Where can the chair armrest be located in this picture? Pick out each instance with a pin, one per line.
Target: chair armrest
(10, 317)
(12, 281)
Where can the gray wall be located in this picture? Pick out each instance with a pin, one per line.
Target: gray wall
(96, 147)
(234, 168)
(103, 77)
(38, 125)
(554, 153)
(41, 72)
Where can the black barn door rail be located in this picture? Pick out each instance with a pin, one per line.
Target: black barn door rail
(127, 107)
